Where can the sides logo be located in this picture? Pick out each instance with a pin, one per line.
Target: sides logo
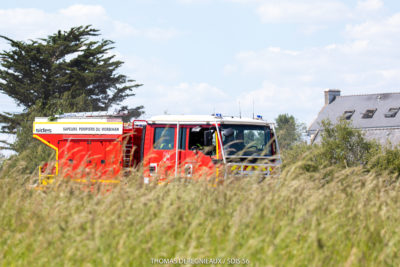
(43, 130)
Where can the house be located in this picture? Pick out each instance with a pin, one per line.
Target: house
(377, 115)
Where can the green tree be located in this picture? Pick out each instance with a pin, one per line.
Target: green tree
(65, 72)
(341, 144)
(288, 130)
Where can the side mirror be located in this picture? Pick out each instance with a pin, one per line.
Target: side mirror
(208, 138)
(228, 132)
(196, 129)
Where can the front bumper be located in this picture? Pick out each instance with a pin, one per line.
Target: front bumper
(248, 169)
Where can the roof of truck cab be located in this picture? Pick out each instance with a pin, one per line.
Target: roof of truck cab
(204, 119)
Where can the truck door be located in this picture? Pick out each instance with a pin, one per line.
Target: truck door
(162, 159)
(197, 158)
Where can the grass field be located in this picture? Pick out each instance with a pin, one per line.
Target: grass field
(332, 217)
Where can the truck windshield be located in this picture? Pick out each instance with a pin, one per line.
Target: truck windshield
(246, 140)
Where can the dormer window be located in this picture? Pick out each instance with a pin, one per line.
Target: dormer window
(392, 112)
(369, 113)
(347, 114)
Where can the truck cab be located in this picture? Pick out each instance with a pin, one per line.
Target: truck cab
(208, 146)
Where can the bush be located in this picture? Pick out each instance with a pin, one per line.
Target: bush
(344, 145)
(387, 160)
(301, 156)
(341, 146)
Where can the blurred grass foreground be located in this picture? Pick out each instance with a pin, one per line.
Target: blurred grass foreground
(324, 210)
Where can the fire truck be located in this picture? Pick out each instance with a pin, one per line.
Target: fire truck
(96, 147)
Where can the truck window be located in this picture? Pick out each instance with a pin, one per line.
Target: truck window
(246, 140)
(182, 138)
(164, 138)
(196, 140)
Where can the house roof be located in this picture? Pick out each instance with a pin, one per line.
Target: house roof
(360, 104)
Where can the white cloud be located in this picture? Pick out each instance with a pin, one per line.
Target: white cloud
(31, 23)
(20, 16)
(193, 1)
(210, 1)
(385, 29)
(22, 23)
(369, 5)
(124, 29)
(302, 11)
(270, 100)
(148, 69)
(184, 98)
(310, 16)
(324, 65)
(83, 11)
(365, 62)
(390, 74)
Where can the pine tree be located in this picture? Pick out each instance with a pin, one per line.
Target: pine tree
(65, 72)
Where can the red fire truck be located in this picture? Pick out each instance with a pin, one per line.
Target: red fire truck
(100, 147)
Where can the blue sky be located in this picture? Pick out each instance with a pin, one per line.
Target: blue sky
(201, 56)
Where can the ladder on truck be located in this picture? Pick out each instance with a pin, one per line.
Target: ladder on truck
(128, 153)
(131, 157)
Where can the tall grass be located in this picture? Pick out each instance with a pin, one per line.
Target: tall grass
(333, 205)
(330, 217)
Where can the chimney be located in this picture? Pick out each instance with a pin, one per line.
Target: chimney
(330, 95)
